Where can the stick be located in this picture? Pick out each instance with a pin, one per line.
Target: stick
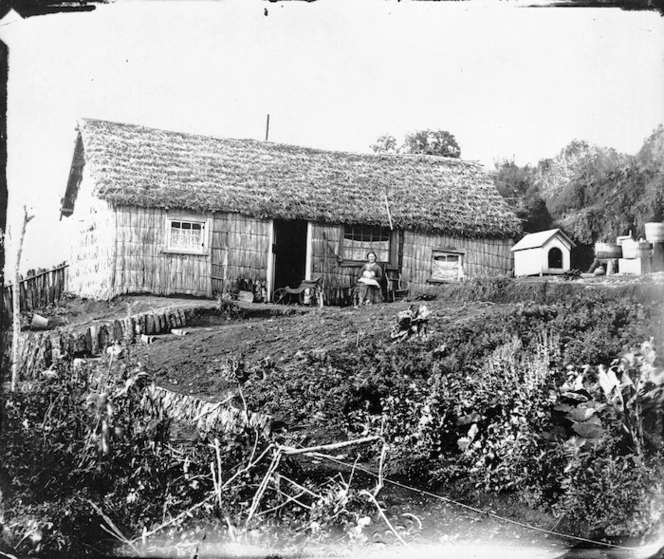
(300, 487)
(288, 500)
(382, 515)
(16, 303)
(114, 530)
(263, 486)
(387, 206)
(175, 518)
(204, 501)
(380, 483)
(218, 476)
(289, 451)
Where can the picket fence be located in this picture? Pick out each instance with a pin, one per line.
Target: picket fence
(38, 291)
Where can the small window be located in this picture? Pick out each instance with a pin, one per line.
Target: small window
(446, 266)
(186, 236)
(360, 239)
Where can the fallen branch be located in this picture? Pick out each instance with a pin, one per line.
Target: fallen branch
(289, 499)
(187, 512)
(112, 529)
(383, 454)
(290, 451)
(300, 487)
(263, 486)
(210, 497)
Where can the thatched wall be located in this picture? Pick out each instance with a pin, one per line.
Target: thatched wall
(483, 257)
(237, 256)
(338, 279)
(93, 250)
(240, 249)
(142, 265)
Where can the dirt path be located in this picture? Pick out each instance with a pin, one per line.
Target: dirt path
(188, 363)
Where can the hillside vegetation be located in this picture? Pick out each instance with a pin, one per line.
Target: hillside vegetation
(552, 403)
(593, 193)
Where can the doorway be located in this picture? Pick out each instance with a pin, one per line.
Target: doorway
(289, 249)
(555, 258)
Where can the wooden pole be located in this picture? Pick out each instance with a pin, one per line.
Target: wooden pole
(387, 206)
(267, 127)
(16, 318)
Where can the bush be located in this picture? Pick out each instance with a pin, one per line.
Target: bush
(612, 495)
(98, 439)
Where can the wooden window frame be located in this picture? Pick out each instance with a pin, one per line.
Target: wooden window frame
(204, 222)
(393, 246)
(448, 251)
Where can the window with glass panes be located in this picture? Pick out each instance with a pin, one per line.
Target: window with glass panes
(446, 266)
(361, 239)
(187, 236)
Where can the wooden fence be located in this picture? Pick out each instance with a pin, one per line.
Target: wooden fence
(38, 291)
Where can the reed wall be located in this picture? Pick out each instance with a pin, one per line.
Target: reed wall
(338, 279)
(93, 251)
(240, 251)
(142, 262)
(483, 257)
(124, 250)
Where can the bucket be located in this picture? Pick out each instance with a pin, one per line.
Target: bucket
(39, 322)
(607, 250)
(246, 296)
(655, 232)
(636, 249)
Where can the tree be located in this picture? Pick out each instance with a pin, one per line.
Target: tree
(432, 142)
(518, 186)
(426, 142)
(650, 163)
(385, 144)
(599, 193)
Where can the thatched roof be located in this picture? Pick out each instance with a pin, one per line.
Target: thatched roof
(134, 165)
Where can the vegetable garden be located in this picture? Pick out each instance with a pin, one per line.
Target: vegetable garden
(547, 410)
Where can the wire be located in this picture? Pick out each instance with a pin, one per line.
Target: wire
(476, 510)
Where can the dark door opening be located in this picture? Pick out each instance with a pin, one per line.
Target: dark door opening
(290, 253)
(555, 258)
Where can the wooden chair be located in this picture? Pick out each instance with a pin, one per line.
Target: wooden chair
(396, 287)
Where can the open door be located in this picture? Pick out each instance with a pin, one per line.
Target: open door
(289, 248)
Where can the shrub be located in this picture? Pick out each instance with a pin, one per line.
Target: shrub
(612, 495)
(98, 439)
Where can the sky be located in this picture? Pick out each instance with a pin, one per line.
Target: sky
(507, 81)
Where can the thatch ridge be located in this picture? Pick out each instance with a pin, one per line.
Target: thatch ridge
(135, 165)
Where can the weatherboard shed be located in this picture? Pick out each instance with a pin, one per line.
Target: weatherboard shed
(170, 213)
(542, 253)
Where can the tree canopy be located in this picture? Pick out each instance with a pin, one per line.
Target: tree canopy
(517, 185)
(426, 142)
(593, 193)
(432, 142)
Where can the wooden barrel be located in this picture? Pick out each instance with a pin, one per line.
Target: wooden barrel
(636, 249)
(655, 232)
(607, 250)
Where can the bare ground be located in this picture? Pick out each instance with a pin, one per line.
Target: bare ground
(188, 363)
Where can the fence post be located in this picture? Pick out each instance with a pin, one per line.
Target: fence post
(16, 319)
